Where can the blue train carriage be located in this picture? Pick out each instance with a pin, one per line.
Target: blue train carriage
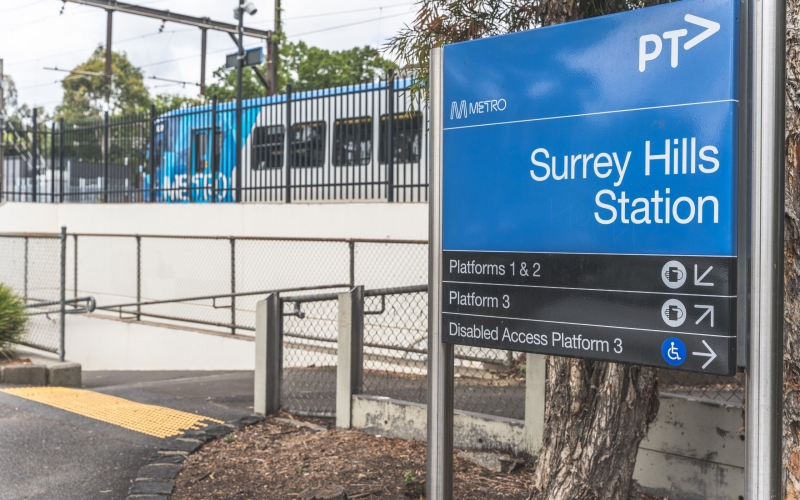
(332, 154)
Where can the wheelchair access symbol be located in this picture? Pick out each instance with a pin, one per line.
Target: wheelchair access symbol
(673, 351)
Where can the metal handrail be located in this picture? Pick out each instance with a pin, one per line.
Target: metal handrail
(90, 306)
(377, 292)
(219, 296)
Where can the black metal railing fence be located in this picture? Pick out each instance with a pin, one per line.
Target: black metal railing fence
(360, 142)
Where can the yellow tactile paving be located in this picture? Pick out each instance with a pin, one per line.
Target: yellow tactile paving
(148, 419)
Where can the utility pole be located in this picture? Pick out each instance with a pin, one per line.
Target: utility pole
(108, 47)
(274, 51)
(239, 135)
(203, 46)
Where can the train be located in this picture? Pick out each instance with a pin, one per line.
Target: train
(365, 141)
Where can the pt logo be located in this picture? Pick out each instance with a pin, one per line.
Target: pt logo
(650, 45)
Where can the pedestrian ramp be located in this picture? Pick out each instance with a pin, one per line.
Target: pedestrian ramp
(152, 420)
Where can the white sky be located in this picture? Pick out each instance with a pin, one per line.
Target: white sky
(33, 35)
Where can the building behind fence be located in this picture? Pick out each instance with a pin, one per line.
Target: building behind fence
(358, 142)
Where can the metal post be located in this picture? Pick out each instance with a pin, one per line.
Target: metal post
(203, 44)
(390, 138)
(138, 277)
(349, 353)
(62, 316)
(152, 153)
(61, 160)
(214, 153)
(269, 355)
(25, 273)
(233, 286)
(105, 157)
(239, 135)
(2, 131)
(440, 356)
(75, 267)
(35, 154)
(52, 162)
(763, 413)
(352, 250)
(288, 154)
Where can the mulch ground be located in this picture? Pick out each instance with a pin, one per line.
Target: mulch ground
(278, 460)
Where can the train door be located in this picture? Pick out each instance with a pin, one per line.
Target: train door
(200, 177)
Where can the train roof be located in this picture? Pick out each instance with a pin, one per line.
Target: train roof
(399, 83)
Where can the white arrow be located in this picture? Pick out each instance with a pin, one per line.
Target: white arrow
(699, 281)
(711, 355)
(709, 310)
(710, 26)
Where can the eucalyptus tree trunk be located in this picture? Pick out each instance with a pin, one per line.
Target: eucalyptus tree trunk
(596, 413)
(791, 267)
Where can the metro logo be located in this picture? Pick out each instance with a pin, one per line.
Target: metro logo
(459, 110)
(654, 41)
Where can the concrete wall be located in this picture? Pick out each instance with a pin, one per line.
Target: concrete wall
(377, 220)
(693, 451)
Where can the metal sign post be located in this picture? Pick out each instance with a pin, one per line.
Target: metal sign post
(763, 419)
(439, 483)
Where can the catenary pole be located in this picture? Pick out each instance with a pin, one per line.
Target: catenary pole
(763, 414)
(239, 70)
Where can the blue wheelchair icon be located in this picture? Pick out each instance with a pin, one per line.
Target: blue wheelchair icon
(673, 351)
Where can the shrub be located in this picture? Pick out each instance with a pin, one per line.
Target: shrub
(13, 320)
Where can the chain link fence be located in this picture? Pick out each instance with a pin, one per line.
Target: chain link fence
(214, 283)
(31, 266)
(309, 357)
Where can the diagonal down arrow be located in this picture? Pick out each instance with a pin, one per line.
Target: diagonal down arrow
(710, 26)
(711, 355)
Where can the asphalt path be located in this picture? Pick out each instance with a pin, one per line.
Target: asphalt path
(48, 453)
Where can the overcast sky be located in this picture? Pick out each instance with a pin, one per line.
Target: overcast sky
(34, 34)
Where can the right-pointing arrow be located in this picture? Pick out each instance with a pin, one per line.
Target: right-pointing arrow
(711, 355)
(710, 26)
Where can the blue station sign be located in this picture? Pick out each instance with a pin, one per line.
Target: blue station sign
(589, 188)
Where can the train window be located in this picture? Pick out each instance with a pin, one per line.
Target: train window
(352, 141)
(267, 147)
(406, 137)
(202, 150)
(308, 144)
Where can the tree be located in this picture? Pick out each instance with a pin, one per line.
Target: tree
(305, 68)
(791, 261)
(167, 102)
(87, 90)
(596, 413)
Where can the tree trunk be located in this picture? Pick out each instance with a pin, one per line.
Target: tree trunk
(596, 413)
(791, 267)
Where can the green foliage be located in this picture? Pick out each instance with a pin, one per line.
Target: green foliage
(305, 68)
(86, 89)
(409, 478)
(168, 102)
(13, 320)
(439, 22)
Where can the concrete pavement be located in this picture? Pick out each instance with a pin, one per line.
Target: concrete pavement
(49, 453)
